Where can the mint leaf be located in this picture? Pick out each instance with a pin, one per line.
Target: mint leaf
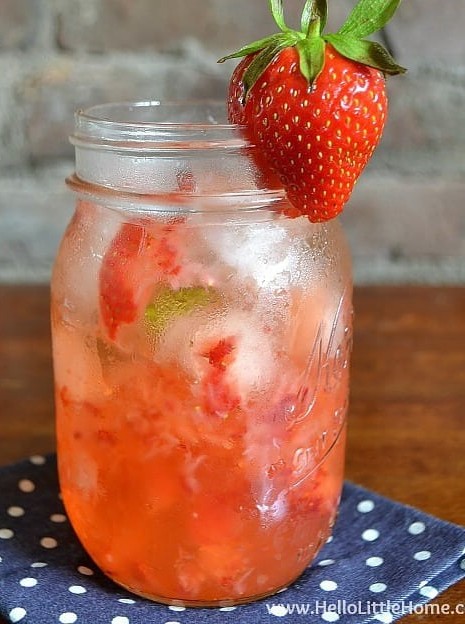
(170, 304)
(368, 16)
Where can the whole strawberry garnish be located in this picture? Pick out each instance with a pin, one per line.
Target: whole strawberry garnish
(314, 103)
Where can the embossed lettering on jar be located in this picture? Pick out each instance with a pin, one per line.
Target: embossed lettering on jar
(201, 346)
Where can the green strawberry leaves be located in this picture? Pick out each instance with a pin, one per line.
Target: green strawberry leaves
(261, 61)
(311, 57)
(367, 17)
(260, 44)
(364, 51)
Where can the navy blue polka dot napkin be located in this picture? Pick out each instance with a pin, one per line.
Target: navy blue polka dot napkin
(384, 560)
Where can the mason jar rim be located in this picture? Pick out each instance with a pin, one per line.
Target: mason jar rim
(157, 125)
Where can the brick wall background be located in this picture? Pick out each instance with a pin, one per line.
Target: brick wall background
(406, 219)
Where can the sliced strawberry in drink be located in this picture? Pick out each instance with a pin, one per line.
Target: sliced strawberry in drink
(117, 301)
(137, 259)
(220, 353)
(219, 393)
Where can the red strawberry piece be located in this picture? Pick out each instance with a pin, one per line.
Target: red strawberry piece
(316, 104)
(218, 354)
(117, 301)
(137, 259)
(219, 395)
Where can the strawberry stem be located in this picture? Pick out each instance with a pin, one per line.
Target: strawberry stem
(314, 29)
(314, 9)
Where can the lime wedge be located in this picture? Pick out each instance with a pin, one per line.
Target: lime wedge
(169, 304)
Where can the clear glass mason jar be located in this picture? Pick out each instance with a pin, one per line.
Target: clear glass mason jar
(201, 343)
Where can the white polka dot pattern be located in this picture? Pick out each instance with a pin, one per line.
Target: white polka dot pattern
(365, 506)
(385, 618)
(17, 614)
(68, 618)
(85, 570)
(278, 610)
(77, 589)
(48, 542)
(429, 591)
(373, 539)
(37, 460)
(6, 534)
(370, 535)
(28, 582)
(26, 485)
(416, 528)
(422, 555)
(15, 512)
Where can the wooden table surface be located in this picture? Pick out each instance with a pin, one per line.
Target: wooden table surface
(407, 413)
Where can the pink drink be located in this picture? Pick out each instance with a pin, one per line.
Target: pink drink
(201, 365)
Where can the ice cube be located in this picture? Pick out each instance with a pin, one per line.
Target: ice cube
(76, 277)
(76, 364)
(265, 251)
(251, 366)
